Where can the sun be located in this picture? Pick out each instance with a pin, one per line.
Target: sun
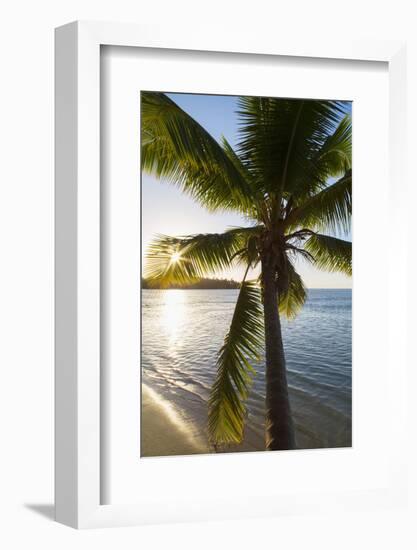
(175, 257)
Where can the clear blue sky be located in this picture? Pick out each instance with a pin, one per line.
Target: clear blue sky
(166, 210)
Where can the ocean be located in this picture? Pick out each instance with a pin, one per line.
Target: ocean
(182, 331)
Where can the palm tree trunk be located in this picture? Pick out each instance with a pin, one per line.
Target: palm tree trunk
(279, 423)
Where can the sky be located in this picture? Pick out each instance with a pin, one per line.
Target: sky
(166, 210)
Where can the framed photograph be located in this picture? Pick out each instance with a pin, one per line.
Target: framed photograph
(229, 335)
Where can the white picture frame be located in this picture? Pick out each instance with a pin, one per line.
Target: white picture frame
(77, 240)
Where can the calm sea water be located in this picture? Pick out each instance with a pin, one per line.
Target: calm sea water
(182, 331)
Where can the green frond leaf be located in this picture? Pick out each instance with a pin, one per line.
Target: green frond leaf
(281, 138)
(177, 148)
(330, 209)
(243, 344)
(332, 159)
(183, 260)
(254, 212)
(335, 157)
(330, 253)
(233, 157)
(293, 298)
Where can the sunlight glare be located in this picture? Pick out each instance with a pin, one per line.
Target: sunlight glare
(175, 257)
(173, 313)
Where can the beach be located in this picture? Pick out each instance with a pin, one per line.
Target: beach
(182, 333)
(164, 433)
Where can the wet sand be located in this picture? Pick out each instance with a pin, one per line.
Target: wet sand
(164, 433)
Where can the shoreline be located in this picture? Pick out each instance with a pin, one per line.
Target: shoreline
(181, 339)
(164, 432)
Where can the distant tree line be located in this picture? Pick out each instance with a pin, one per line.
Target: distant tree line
(200, 284)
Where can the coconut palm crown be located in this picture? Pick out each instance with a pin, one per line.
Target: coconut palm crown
(277, 178)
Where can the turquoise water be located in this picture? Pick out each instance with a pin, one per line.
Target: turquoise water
(182, 331)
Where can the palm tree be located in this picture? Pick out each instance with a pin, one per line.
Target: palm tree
(290, 178)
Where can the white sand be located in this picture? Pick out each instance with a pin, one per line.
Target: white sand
(164, 433)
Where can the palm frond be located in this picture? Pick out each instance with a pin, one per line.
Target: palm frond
(182, 260)
(330, 209)
(280, 138)
(330, 253)
(332, 159)
(243, 343)
(235, 160)
(335, 156)
(179, 149)
(293, 298)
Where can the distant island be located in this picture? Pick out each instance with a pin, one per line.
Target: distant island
(200, 284)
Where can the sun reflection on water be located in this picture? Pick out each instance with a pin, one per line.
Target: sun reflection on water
(174, 306)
